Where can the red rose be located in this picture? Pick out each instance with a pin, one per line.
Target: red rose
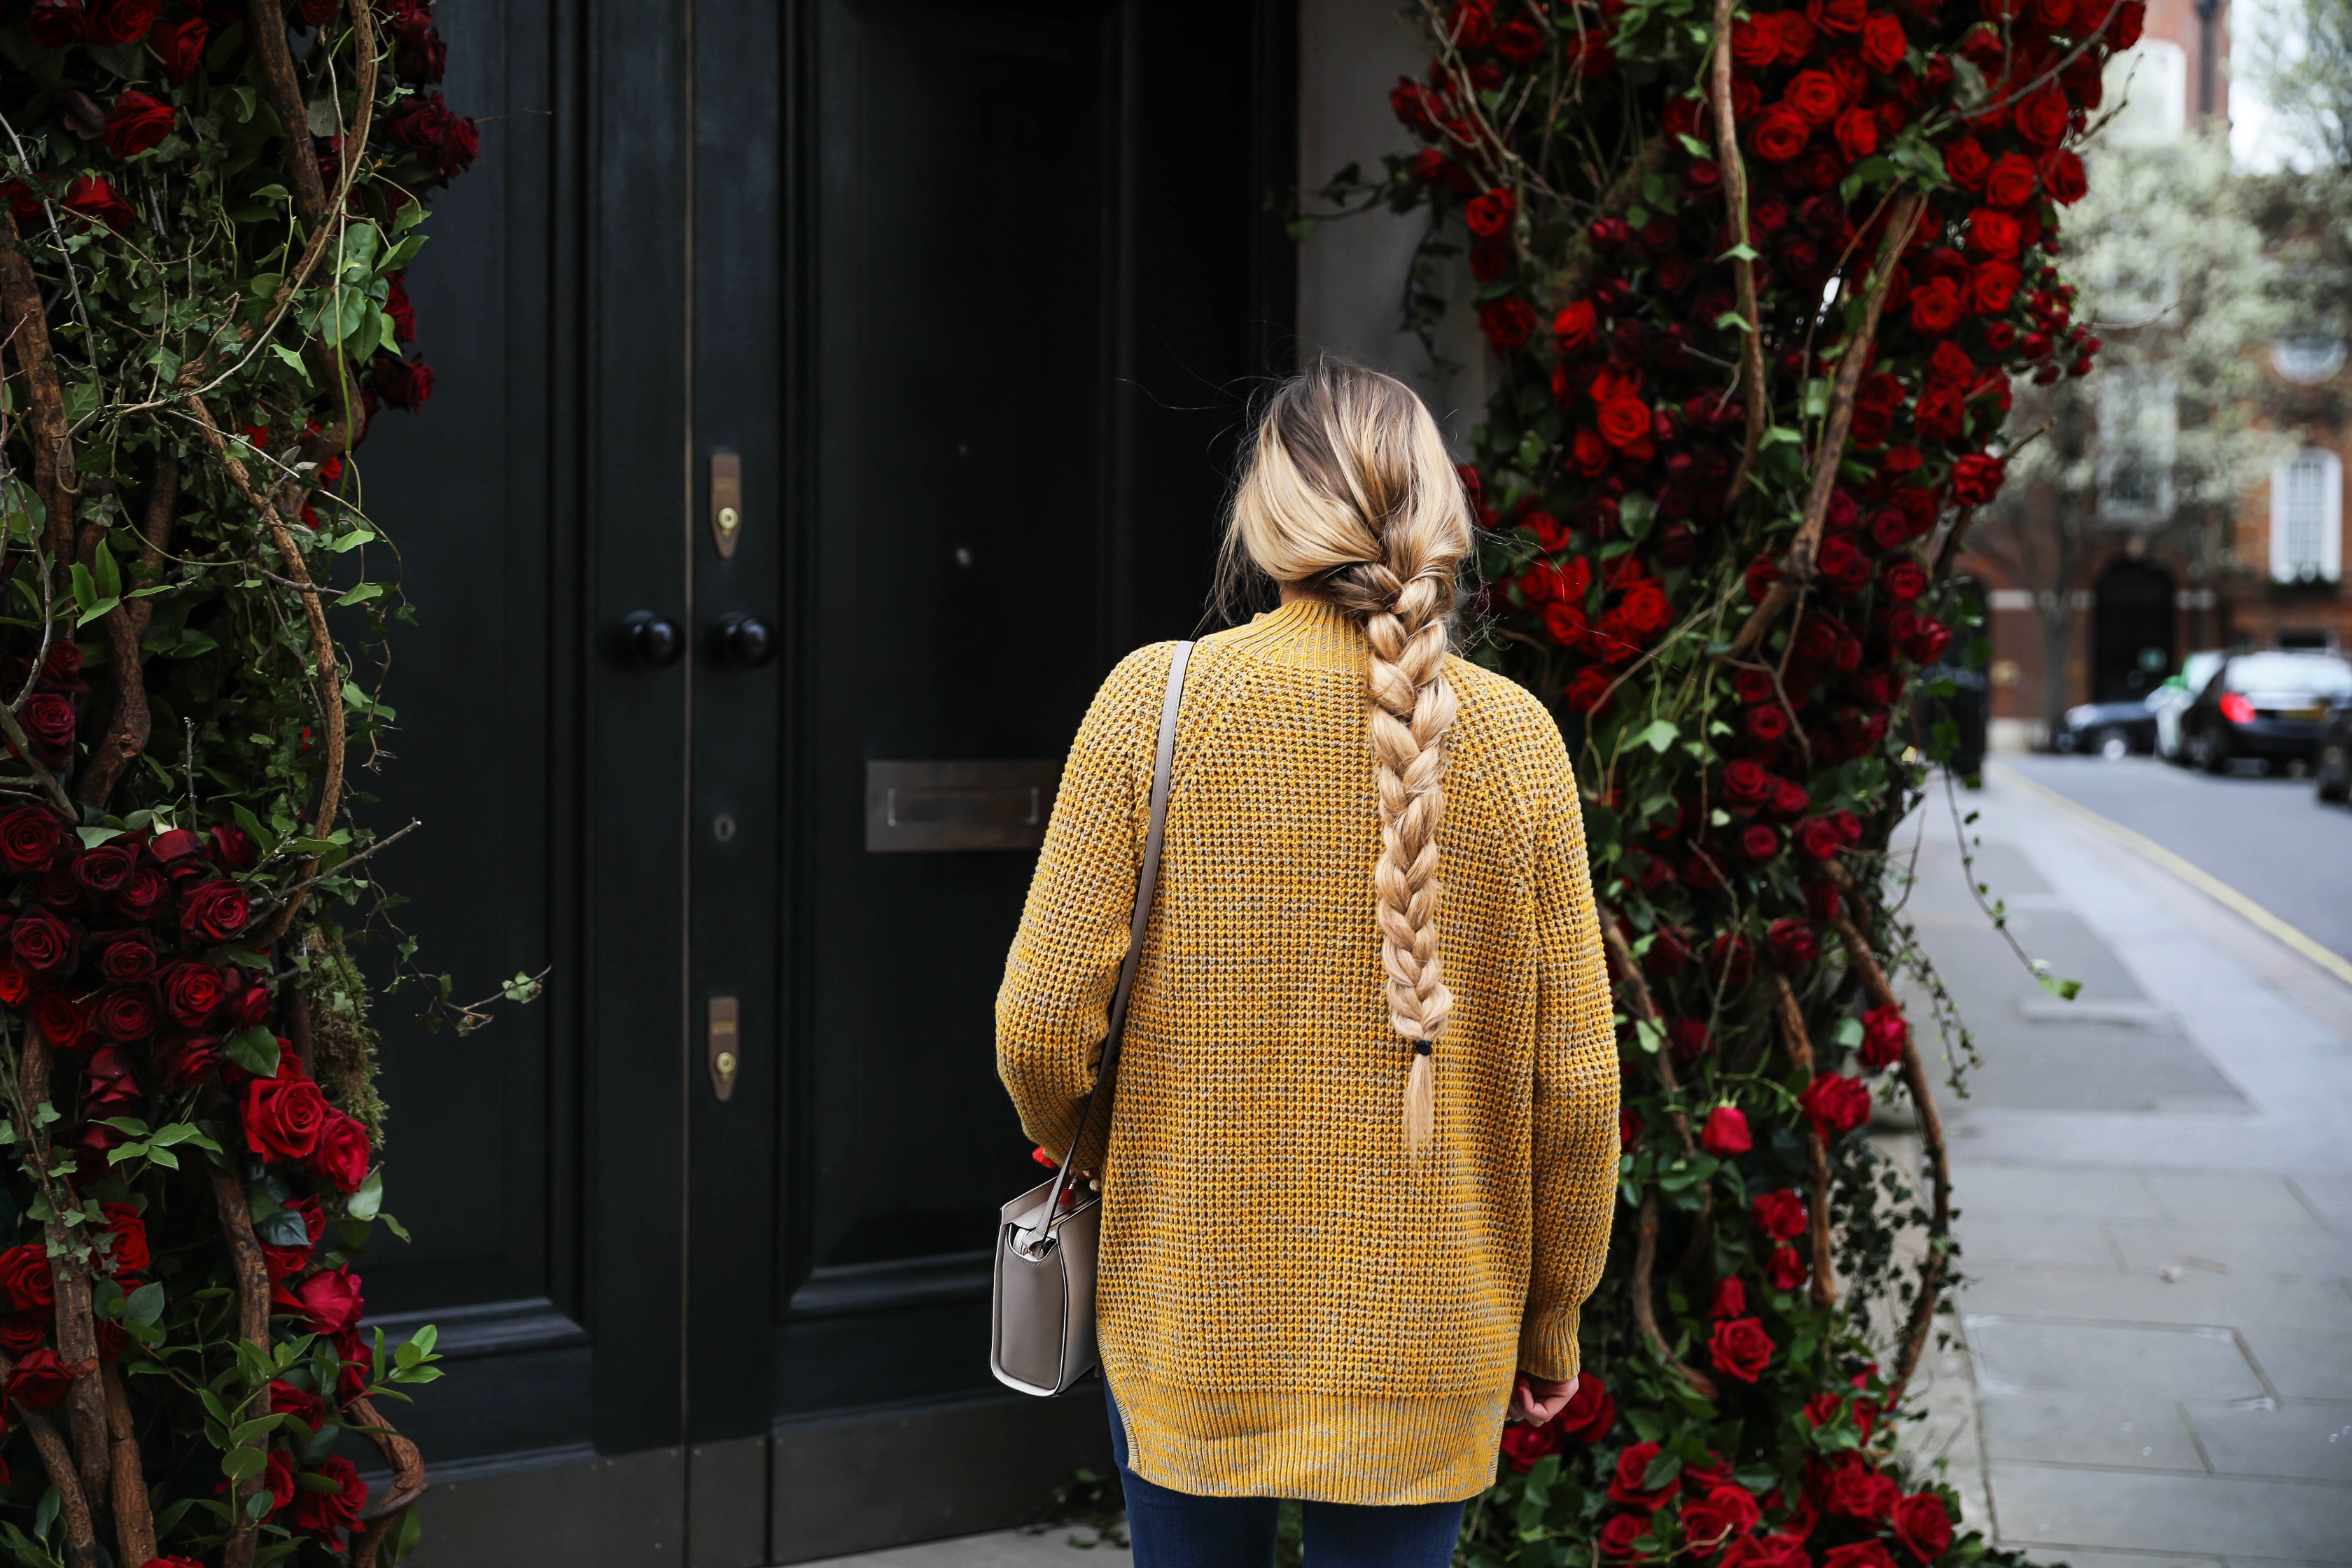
(1586, 690)
(1759, 841)
(1628, 1483)
(30, 838)
(25, 1331)
(1786, 1269)
(327, 1514)
(1993, 232)
(1841, 564)
(43, 944)
(179, 47)
(1923, 1525)
(49, 720)
(1524, 1444)
(179, 844)
(305, 1407)
(1628, 1129)
(1992, 286)
(1936, 306)
(443, 142)
(1730, 959)
(187, 1059)
(1508, 322)
(121, 21)
(1835, 1104)
(1690, 1039)
(1781, 1215)
(61, 1024)
(1745, 783)
(2041, 118)
(1490, 215)
(2062, 175)
(1838, 15)
(1788, 798)
(1576, 329)
(1859, 1555)
(39, 1380)
(55, 24)
(285, 1262)
(124, 1014)
(2010, 181)
(1740, 1348)
(128, 1230)
(93, 196)
(283, 1117)
(215, 912)
(1624, 422)
(1767, 723)
(341, 1155)
(137, 122)
(1590, 1412)
(1976, 480)
(1814, 95)
(402, 383)
(141, 894)
(1857, 135)
(128, 960)
(1645, 609)
(1855, 1490)
(1966, 162)
(1905, 580)
(25, 1276)
(2130, 18)
(330, 1299)
(278, 1481)
(232, 849)
(1797, 35)
(1725, 1512)
(1793, 945)
(252, 1007)
(1883, 43)
(192, 992)
(1730, 1299)
(1884, 1033)
(1725, 1131)
(1755, 42)
(425, 59)
(1617, 1536)
(104, 870)
(1779, 133)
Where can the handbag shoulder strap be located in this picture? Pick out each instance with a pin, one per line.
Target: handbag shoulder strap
(1163, 768)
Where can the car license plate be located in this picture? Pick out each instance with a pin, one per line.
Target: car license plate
(2307, 715)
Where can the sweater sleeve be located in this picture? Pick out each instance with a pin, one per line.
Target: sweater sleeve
(1054, 1007)
(1575, 1148)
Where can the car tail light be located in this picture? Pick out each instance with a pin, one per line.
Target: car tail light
(2236, 708)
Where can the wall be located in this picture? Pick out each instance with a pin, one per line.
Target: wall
(1352, 274)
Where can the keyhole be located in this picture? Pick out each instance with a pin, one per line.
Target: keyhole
(722, 828)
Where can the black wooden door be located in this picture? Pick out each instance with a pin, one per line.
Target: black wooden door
(915, 334)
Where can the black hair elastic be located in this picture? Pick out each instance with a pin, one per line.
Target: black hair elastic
(1421, 1047)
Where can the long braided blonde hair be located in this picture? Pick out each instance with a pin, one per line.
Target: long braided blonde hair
(1350, 494)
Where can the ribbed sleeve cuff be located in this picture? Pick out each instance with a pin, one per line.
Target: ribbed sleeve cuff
(1547, 1347)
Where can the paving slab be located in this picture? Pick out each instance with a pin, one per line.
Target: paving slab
(2301, 1364)
(2309, 1442)
(1004, 1549)
(2145, 1434)
(2239, 1250)
(2056, 1243)
(2036, 1355)
(2195, 1298)
(2056, 1506)
(2330, 1197)
(2223, 1198)
(2056, 1191)
(2073, 1559)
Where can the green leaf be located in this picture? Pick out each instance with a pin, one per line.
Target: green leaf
(1741, 252)
(1695, 148)
(246, 1432)
(255, 1049)
(365, 1202)
(252, 825)
(353, 539)
(130, 1124)
(1660, 735)
(361, 593)
(2065, 990)
(237, 1464)
(145, 1304)
(292, 361)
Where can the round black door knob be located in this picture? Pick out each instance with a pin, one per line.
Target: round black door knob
(746, 642)
(651, 641)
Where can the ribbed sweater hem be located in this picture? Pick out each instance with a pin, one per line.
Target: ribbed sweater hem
(1364, 1448)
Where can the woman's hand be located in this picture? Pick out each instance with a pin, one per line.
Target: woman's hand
(1536, 1400)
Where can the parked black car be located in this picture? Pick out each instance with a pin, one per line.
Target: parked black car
(2333, 761)
(2267, 706)
(2094, 728)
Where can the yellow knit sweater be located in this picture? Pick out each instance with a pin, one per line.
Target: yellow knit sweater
(1287, 1305)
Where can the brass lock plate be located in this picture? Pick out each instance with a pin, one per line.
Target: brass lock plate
(725, 1050)
(725, 501)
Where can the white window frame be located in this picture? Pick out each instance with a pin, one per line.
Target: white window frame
(2138, 417)
(2325, 563)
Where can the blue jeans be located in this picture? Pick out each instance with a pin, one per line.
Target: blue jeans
(1178, 1529)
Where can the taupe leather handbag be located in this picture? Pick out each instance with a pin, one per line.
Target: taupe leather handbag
(1042, 1321)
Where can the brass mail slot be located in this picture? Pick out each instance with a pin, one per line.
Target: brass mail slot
(957, 805)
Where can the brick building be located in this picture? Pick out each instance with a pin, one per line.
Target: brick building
(2271, 575)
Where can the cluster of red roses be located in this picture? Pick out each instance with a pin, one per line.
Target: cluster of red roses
(441, 143)
(124, 957)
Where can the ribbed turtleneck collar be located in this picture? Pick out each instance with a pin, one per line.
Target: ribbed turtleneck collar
(1308, 633)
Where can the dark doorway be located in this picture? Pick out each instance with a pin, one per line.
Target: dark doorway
(2132, 627)
(918, 335)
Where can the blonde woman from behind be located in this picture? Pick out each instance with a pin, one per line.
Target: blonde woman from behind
(1362, 1159)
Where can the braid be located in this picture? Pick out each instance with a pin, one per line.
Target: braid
(1350, 488)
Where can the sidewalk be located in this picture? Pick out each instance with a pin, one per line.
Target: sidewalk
(2155, 1184)
(2156, 1194)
